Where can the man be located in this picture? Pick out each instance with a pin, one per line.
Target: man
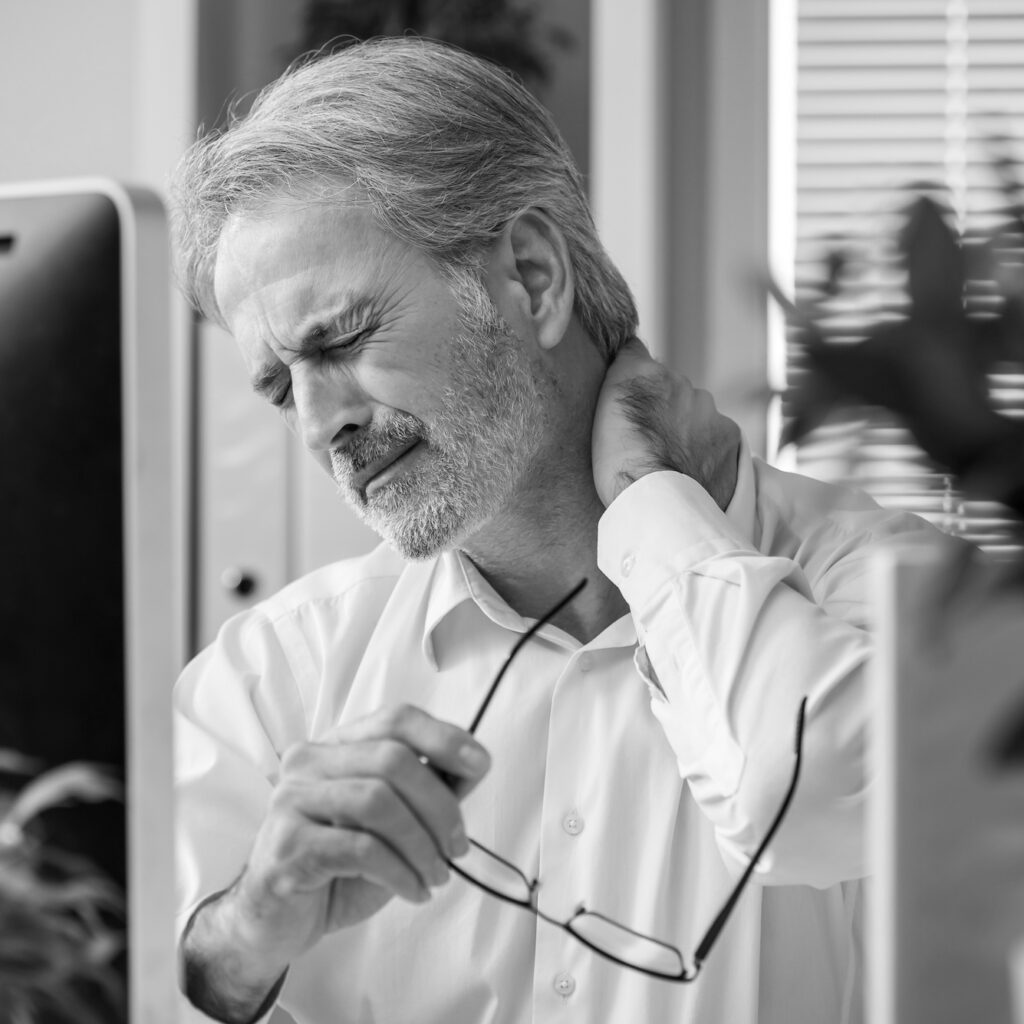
(399, 243)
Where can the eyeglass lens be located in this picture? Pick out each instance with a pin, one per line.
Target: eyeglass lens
(627, 946)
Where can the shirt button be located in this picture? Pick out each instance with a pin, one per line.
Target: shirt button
(573, 823)
(584, 664)
(565, 984)
(627, 564)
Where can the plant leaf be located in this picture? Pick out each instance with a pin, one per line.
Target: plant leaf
(77, 781)
(935, 265)
(19, 764)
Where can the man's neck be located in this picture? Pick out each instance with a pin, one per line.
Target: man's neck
(535, 555)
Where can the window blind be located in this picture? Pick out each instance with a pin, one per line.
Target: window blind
(890, 94)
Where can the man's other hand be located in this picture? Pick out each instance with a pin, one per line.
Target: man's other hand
(369, 813)
(648, 420)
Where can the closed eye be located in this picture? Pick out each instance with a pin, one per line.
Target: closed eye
(274, 384)
(347, 341)
(281, 400)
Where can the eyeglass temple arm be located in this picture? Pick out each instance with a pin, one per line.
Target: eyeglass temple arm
(719, 922)
(519, 643)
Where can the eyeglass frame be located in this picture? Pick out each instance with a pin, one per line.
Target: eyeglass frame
(716, 926)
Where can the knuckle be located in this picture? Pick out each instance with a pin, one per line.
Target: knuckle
(364, 847)
(287, 795)
(304, 865)
(402, 716)
(277, 842)
(283, 795)
(285, 848)
(392, 758)
(372, 799)
(704, 399)
(296, 758)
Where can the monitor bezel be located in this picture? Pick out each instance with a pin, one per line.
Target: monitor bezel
(154, 581)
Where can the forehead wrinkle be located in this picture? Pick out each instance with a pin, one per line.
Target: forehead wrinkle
(378, 276)
(374, 256)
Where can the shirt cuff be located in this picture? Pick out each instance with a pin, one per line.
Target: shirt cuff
(660, 525)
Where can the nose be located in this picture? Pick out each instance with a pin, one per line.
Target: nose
(329, 406)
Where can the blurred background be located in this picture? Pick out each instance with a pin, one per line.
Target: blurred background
(724, 142)
(719, 139)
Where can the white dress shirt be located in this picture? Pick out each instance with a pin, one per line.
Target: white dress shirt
(645, 817)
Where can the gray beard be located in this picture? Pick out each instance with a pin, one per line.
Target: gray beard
(488, 432)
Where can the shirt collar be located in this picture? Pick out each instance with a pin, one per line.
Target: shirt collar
(446, 590)
(455, 580)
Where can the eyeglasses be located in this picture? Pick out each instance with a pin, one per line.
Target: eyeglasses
(612, 940)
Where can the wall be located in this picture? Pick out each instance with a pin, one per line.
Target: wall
(105, 88)
(66, 107)
(681, 184)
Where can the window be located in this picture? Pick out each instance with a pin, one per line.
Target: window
(891, 93)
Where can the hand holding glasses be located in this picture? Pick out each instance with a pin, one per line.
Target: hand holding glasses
(495, 875)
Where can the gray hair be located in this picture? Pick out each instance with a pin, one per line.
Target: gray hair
(445, 148)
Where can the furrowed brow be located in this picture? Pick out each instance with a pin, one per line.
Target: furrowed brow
(266, 381)
(348, 317)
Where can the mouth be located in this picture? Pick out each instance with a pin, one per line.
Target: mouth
(374, 475)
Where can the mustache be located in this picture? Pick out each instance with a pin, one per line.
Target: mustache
(374, 442)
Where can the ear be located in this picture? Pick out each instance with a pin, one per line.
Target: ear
(530, 267)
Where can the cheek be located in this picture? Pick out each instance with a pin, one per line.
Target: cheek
(415, 390)
(322, 458)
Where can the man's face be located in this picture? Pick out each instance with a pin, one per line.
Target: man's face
(425, 409)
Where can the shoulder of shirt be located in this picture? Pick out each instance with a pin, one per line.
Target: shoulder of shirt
(832, 532)
(808, 506)
(375, 573)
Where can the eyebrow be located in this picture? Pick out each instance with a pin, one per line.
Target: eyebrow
(312, 331)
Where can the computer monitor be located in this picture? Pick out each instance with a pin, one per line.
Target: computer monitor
(91, 601)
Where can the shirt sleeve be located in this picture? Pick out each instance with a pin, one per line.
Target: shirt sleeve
(735, 640)
(230, 728)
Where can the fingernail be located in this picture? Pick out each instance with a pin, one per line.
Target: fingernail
(474, 758)
(439, 873)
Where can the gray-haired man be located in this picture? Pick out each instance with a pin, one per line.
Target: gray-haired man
(399, 242)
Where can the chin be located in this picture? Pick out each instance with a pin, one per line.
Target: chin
(426, 541)
(421, 528)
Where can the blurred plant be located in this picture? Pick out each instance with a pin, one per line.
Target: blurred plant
(506, 32)
(931, 366)
(61, 920)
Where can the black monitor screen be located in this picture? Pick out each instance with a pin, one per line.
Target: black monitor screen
(62, 656)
